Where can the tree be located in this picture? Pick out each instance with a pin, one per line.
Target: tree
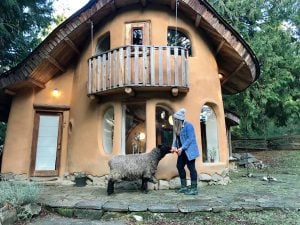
(272, 30)
(21, 21)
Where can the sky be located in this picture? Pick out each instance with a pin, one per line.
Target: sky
(68, 7)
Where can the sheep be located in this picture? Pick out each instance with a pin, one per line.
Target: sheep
(132, 167)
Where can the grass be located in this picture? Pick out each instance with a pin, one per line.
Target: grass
(283, 165)
(18, 193)
(224, 218)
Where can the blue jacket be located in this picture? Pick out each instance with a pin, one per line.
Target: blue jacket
(188, 141)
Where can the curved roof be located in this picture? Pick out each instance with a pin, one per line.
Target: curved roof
(236, 60)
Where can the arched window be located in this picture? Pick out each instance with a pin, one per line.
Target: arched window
(181, 39)
(164, 125)
(209, 135)
(103, 44)
(108, 130)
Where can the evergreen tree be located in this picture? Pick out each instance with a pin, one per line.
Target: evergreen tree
(21, 21)
(271, 106)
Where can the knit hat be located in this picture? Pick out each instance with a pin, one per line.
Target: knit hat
(180, 115)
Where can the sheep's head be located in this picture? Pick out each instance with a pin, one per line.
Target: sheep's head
(163, 149)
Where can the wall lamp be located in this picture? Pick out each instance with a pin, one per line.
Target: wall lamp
(56, 93)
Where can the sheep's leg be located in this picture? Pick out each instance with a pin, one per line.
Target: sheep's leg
(145, 185)
(110, 187)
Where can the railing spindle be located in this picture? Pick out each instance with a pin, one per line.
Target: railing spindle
(160, 67)
(176, 65)
(138, 65)
(128, 65)
(152, 63)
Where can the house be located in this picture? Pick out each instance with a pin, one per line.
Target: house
(107, 80)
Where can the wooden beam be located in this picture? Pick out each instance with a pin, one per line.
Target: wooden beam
(129, 91)
(36, 83)
(219, 47)
(9, 92)
(233, 73)
(174, 91)
(198, 19)
(56, 64)
(71, 44)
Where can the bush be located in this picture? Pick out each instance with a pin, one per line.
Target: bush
(18, 193)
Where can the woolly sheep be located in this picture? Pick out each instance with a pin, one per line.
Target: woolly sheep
(132, 167)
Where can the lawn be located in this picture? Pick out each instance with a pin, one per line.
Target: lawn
(284, 166)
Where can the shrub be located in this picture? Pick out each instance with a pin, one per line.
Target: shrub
(18, 193)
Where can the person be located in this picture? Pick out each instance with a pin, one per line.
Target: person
(185, 145)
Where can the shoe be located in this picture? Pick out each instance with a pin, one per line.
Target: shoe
(193, 190)
(183, 188)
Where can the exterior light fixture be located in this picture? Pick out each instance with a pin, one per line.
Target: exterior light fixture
(56, 93)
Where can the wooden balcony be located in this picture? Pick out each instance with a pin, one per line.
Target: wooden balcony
(139, 69)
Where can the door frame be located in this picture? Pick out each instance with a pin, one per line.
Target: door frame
(38, 113)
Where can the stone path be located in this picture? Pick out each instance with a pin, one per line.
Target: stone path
(90, 203)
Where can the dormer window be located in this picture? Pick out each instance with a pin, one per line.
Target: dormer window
(179, 38)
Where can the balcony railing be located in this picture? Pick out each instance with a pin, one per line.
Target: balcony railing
(139, 67)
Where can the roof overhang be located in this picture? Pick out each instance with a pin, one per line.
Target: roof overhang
(236, 61)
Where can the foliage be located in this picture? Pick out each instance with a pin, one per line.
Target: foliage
(272, 30)
(18, 193)
(21, 21)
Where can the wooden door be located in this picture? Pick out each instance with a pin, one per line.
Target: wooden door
(46, 143)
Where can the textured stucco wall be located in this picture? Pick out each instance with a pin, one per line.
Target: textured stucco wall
(82, 144)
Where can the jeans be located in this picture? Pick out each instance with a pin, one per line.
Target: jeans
(182, 160)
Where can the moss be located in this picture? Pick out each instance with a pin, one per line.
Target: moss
(67, 212)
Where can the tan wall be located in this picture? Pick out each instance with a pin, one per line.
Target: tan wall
(17, 147)
(18, 142)
(83, 149)
(87, 114)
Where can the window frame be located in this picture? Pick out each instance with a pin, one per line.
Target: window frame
(113, 130)
(186, 35)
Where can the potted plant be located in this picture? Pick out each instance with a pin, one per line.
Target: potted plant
(80, 179)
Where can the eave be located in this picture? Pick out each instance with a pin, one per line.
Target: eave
(235, 59)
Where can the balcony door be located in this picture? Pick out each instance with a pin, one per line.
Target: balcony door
(137, 33)
(46, 143)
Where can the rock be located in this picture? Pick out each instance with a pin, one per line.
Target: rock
(163, 185)
(216, 177)
(152, 186)
(137, 218)
(8, 216)
(28, 211)
(204, 177)
(174, 183)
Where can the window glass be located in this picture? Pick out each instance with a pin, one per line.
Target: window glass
(47, 143)
(209, 135)
(103, 44)
(135, 128)
(164, 125)
(178, 38)
(108, 130)
(137, 36)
